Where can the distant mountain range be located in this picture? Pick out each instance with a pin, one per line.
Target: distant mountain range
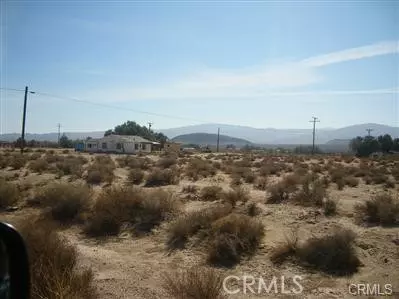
(267, 136)
(285, 136)
(210, 139)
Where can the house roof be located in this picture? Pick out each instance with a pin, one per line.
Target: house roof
(123, 138)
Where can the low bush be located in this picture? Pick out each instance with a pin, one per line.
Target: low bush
(136, 176)
(198, 168)
(140, 209)
(190, 189)
(194, 283)
(286, 249)
(381, 209)
(54, 264)
(233, 237)
(102, 170)
(40, 165)
(283, 190)
(9, 194)
(333, 254)
(211, 193)
(261, 183)
(235, 195)
(72, 165)
(161, 177)
(167, 162)
(312, 193)
(66, 202)
(180, 230)
(329, 207)
(351, 181)
(17, 161)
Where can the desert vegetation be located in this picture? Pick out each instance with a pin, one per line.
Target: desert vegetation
(215, 213)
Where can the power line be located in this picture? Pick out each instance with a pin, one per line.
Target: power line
(118, 107)
(107, 105)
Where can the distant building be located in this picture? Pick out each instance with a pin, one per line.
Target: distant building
(118, 144)
(171, 146)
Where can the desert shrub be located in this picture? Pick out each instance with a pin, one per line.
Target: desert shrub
(133, 162)
(194, 283)
(329, 207)
(140, 210)
(237, 194)
(351, 181)
(161, 177)
(389, 184)
(333, 254)
(197, 168)
(102, 170)
(190, 189)
(379, 178)
(54, 264)
(136, 176)
(270, 168)
(211, 193)
(66, 202)
(312, 193)
(17, 161)
(340, 183)
(9, 194)
(166, 162)
(38, 165)
(261, 183)
(252, 209)
(283, 190)
(35, 156)
(337, 174)
(285, 249)
(232, 237)
(381, 209)
(71, 165)
(189, 224)
(51, 158)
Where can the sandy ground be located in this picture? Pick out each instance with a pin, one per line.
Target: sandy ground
(132, 267)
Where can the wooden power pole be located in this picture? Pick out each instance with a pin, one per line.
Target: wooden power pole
(23, 120)
(314, 121)
(369, 131)
(217, 145)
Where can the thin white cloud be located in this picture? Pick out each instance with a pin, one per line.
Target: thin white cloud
(254, 82)
(382, 48)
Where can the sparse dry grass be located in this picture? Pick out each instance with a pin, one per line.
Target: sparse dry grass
(235, 195)
(53, 264)
(140, 209)
(9, 194)
(381, 209)
(161, 177)
(211, 193)
(194, 283)
(66, 202)
(233, 237)
(180, 230)
(199, 168)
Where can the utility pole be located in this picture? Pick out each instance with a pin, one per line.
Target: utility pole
(59, 132)
(217, 146)
(149, 125)
(314, 121)
(369, 131)
(23, 121)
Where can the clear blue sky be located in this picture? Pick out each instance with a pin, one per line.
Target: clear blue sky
(260, 64)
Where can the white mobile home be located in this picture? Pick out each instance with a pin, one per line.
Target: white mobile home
(119, 144)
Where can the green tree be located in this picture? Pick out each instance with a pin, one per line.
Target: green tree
(364, 147)
(395, 144)
(132, 128)
(65, 142)
(386, 142)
